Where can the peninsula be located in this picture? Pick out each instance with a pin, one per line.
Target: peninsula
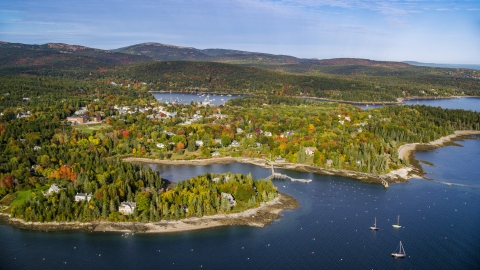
(69, 122)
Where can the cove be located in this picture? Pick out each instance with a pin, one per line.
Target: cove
(329, 230)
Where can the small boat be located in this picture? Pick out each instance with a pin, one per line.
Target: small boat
(374, 225)
(398, 223)
(401, 252)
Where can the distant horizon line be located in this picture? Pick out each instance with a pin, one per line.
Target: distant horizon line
(411, 62)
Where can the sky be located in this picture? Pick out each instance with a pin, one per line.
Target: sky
(435, 31)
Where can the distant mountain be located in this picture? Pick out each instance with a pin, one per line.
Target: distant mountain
(104, 56)
(467, 66)
(165, 52)
(59, 58)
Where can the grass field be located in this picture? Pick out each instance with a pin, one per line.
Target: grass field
(21, 197)
(90, 128)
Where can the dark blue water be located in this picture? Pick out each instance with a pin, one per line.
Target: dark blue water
(185, 98)
(330, 230)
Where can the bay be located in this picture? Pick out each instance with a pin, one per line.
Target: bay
(330, 229)
(187, 98)
(465, 103)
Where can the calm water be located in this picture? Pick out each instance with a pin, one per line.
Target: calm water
(472, 104)
(185, 98)
(329, 231)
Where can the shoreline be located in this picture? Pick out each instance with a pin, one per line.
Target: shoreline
(406, 150)
(399, 175)
(398, 102)
(257, 217)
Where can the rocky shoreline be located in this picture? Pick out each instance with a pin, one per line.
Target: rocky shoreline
(258, 217)
(400, 175)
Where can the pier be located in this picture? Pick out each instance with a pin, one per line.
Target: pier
(384, 182)
(275, 175)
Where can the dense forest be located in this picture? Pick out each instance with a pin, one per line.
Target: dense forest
(72, 130)
(356, 80)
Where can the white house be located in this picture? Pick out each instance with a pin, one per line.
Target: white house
(230, 198)
(53, 189)
(215, 154)
(160, 145)
(235, 144)
(198, 143)
(267, 133)
(310, 150)
(127, 208)
(82, 196)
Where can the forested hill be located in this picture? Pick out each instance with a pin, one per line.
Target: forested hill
(228, 78)
(397, 75)
(60, 59)
(221, 70)
(165, 52)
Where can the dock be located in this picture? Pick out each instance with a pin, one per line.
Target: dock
(275, 175)
(384, 182)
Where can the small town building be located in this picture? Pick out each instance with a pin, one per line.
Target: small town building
(53, 189)
(310, 150)
(230, 198)
(127, 208)
(82, 197)
(235, 144)
(77, 119)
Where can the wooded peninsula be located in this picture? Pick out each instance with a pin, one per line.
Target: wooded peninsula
(66, 130)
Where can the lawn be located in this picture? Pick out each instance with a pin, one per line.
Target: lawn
(90, 128)
(21, 197)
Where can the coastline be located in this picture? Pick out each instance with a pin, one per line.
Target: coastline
(406, 150)
(399, 175)
(258, 217)
(398, 102)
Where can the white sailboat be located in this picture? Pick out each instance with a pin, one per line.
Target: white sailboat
(401, 252)
(374, 225)
(398, 223)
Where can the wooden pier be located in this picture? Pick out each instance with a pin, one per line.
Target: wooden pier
(384, 182)
(275, 175)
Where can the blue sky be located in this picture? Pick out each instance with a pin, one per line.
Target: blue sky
(396, 30)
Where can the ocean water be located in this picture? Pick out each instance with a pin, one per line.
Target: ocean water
(440, 222)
